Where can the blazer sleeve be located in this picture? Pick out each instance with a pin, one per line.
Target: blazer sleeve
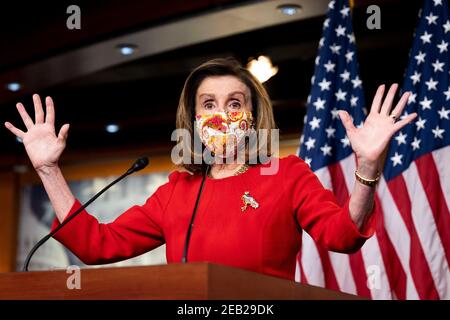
(318, 213)
(136, 231)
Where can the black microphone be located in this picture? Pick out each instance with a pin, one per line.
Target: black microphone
(191, 223)
(139, 164)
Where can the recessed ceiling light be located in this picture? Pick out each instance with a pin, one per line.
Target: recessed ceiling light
(112, 128)
(289, 9)
(13, 86)
(127, 49)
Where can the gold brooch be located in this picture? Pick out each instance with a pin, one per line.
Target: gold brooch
(247, 200)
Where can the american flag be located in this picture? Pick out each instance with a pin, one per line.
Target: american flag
(409, 255)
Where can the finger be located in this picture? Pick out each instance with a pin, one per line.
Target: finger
(405, 121)
(377, 99)
(401, 104)
(17, 132)
(24, 115)
(387, 104)
(63, 132)
(347, 121)
(49, 111)
(38, 111)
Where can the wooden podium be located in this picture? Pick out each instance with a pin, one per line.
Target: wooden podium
(192, 281)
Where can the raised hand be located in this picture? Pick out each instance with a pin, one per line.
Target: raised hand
(370, 141)
(41, 143)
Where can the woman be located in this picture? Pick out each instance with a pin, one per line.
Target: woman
(244, 219)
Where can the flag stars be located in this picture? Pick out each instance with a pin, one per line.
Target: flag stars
(349, 56)
(431, 19)
(443, 113)
(431, 84)
(330, 132)
(326, 150)
(315, 123)
(446, 26)
(310, 143)
(351, 38)
(321, 42)
(415, 144)
(401, 138)
(345, 76)
(415, 77)
(397, 159)
(420, 57)
(335, 48)
(334, 113)
(438, 132)
(308, 161)
(329, 66)
(443, 46)
(447, 94)
(356, 82)
(438, 66)
(345, 11)
(340, 31)
(426, 37)
(425, 103)
(319, 104)
(324, 84)
(340, 81)
(340, 95)
(420, 123)
(437, 2)
(345, 142)
(412, 98)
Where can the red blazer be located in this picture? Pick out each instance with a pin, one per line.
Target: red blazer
(264, 239)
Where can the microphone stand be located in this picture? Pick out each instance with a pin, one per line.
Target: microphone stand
(191, 223)
(138, 165)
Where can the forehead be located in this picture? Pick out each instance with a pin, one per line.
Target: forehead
(222, 86)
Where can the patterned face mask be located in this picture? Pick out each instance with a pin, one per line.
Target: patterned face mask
(222, 132)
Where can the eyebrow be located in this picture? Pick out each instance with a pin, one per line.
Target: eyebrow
(229, 95)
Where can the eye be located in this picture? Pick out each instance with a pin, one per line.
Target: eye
(208, 104)
(235, 104)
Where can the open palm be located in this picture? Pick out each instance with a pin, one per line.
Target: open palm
(370, 141)
(41, 143)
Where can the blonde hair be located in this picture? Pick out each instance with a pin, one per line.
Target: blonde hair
(261, 104)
